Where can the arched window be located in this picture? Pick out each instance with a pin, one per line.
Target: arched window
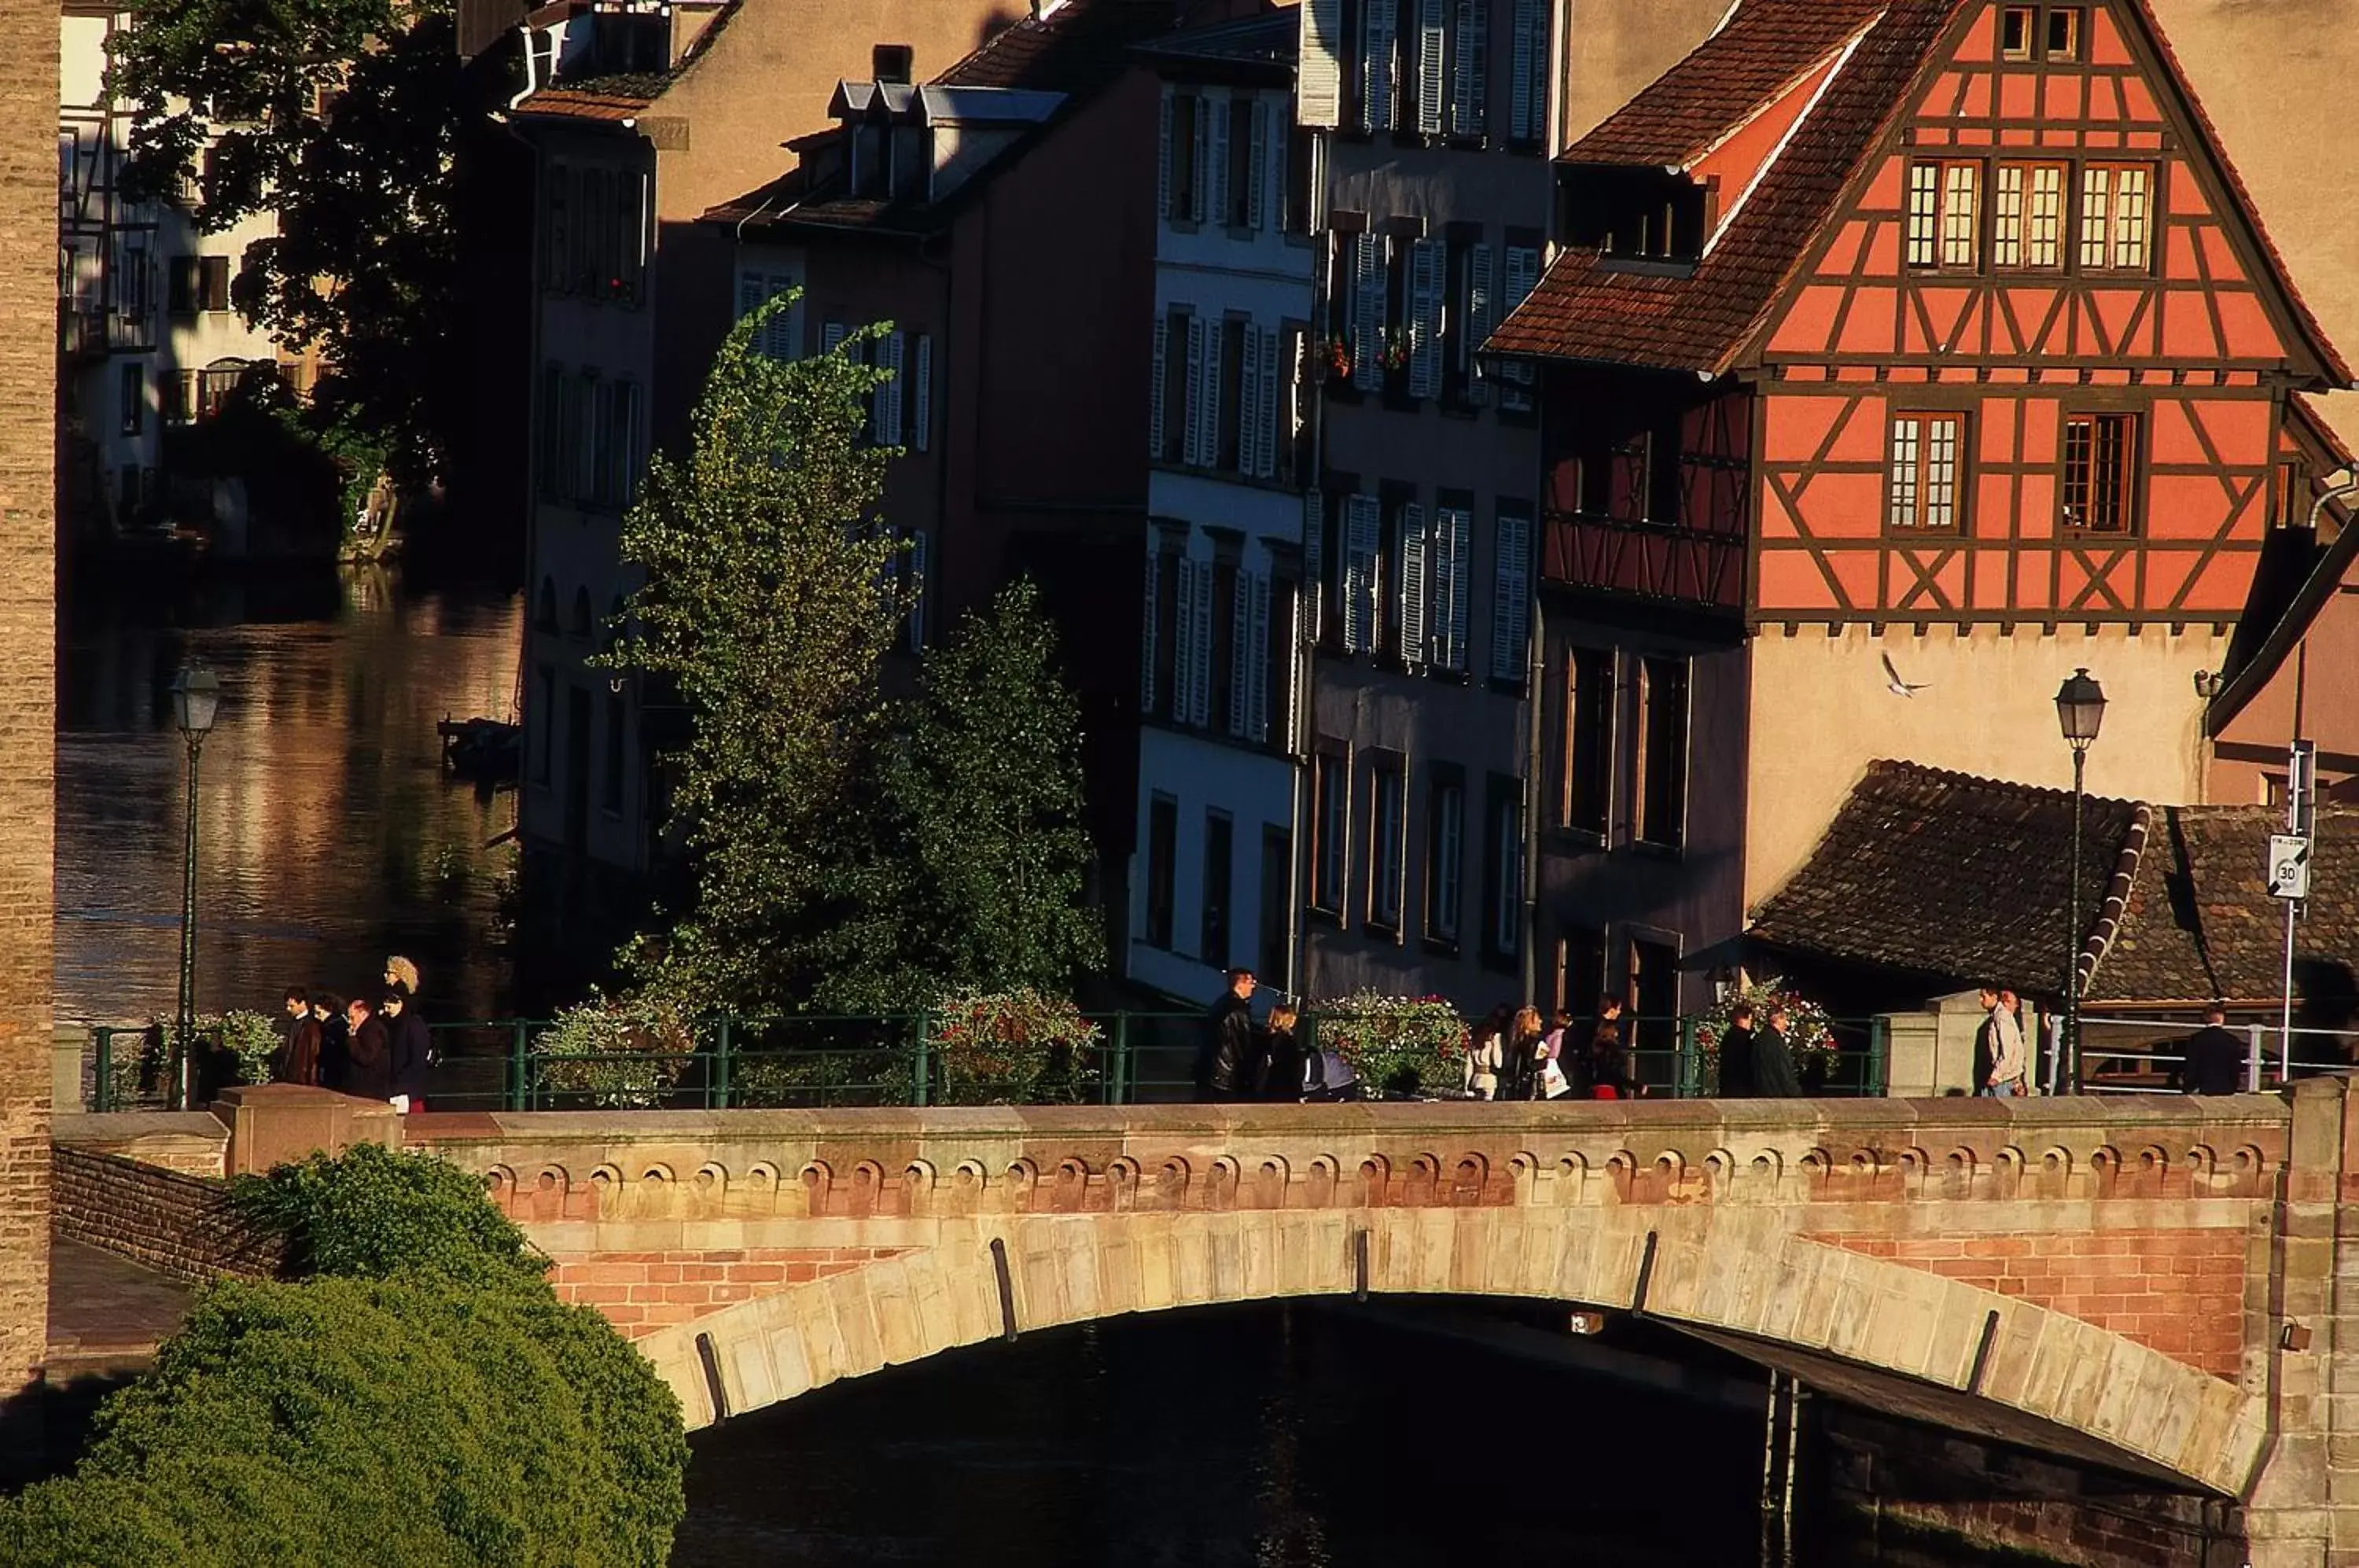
(581, 626)
(544, 609)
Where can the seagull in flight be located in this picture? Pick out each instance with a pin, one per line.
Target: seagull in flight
(1896, 686)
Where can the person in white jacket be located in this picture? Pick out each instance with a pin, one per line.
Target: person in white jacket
(2004, 1044)
(1484, 1055)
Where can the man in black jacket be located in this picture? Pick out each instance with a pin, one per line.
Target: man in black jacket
(407, 1045)
(2214, 1061)
(1736, 1076)
(1225, 1064)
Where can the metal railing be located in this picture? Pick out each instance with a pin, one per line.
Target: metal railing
(820, 1061)
(2139, 1056)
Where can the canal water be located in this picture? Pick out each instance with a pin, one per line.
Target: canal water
(327, 834)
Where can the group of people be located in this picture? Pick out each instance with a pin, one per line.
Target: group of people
(1241, 1061)
(375, 1047)
(1512, 1056)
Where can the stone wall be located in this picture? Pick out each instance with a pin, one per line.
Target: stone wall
(28, 369)
(640, 1292)
(176, 1223)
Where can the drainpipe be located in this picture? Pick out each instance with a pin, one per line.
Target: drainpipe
(1306, 655)
(1536, 712)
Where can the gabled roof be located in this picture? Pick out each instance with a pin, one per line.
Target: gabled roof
(1592, 308)
(2282, 606)
(1263, 48)
(1967, 880)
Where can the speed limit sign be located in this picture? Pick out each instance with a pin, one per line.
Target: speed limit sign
(2288, 865)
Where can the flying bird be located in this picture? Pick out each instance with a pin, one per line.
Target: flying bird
(1896, 686)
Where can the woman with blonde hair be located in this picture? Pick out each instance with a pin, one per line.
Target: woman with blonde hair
(1525, 1049)
(399, 971)
(1281, 1057)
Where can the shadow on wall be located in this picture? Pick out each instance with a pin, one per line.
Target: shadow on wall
(995, 24)
(2326, 996)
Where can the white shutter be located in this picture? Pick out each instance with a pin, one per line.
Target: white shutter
(1469, 84)
(1376, 64)
(1510, 607)
(1413, 583)
(1319, 76)
(1368, 311)
(1257, 166)
(1425, 277)
(1249, 405)
(1478, 306)
(1192, 436)
(1522, 113)
(1154, 387)
(1209, 420)
(1200, 679)
(1429, 66)
(1275, 401)
(1147, 633)
(1204, 136)
(1314, 559)
(922, 437)
(1257, 657)
(1221, 111)
(1459, 527)
(1183, 642)
(1163, 159)
(1241, 660)
(889, 395)
(831, 336)
(1359, 608)
(918, 590)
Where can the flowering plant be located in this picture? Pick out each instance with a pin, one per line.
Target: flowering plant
(1011, 1047)
(625, 1052)
(1397, 1045)
(1810, 1033)
(1397, 349)
(252, 1037)
(1334, 356)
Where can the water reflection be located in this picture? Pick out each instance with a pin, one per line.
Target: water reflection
(327, 835)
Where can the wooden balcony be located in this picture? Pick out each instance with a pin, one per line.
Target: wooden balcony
(1665, 562)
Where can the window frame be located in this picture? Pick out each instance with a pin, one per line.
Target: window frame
(2110, 242)
(2029, 16)
(1645, 827)
(1444, 923)
(1598, 697)
(2026, 220)
(1921, 506)
(1331, 835)
(1386, 907)
(1504, 872)
(1946, 229)
(2129, 464)
(2076, 20)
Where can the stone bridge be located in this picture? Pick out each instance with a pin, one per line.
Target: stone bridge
(2151, 1283)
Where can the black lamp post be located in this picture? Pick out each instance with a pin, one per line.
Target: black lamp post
(2080, 710)
(196, 702)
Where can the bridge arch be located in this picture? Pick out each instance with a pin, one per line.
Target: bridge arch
(1904, 1337)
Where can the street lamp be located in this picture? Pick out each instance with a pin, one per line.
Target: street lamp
(196, 703)
(2080, 710)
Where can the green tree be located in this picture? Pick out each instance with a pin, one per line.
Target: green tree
(767, 607)
(343, 117)
(970, 868)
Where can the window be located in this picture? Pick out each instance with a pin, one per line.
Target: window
(1388, 788)
(2114, 217)
(1445, 845)
(1248, 133)
(1406, 542)
(1181, 153)
(1662, 751)
(1171, 414)
(1272, 641)
(1379, 28)
(1944, 212)
(1449, 563)
(1503, 889)
(1520, 274)
(2063, 33)
(2015, 32)
(610, 794)
(891, 63)
(133, 283)
(2293, 493)
(1654, 999)
(1469, 86)
(2100, 452)
(1511, 565)
(1228, 425)
(1363, 586)
(2027, 216)
(1581, 973)
(1163, 571)
(1588, 738)
(1527, 94)
(213, 283)
(1466, 316)
(1213, 937)
(132, 389)
(178, 392)
(1332, 859)
(1924, 492)
(1226, 716)
(1162, 858)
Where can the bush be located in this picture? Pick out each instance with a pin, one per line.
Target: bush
(1810, 1034)
(424, 1400)
(252, 1037)
(623, 1053)
(1012, 1048)
(1399, 1045)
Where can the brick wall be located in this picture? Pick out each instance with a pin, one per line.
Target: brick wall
(2179, 1291)
(28, 348)
(640, 1292)
(177, 1224)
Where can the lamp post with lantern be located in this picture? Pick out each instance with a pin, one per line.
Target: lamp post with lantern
(196, 703)
(2080, 710)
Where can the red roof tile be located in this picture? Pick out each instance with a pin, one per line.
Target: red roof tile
(577, 103)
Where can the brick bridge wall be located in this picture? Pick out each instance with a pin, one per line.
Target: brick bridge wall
(176, 1223)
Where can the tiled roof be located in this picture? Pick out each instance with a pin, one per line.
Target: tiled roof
(1270, 40)
(591, 102)
(1586, 307)
(1945, 874)
(1966, 880)
(1764, 49)
(2200, 922)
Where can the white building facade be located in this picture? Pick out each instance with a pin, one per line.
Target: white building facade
(1222, 669)
(148, 338)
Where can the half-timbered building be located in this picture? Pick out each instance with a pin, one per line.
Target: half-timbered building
(1899, 358)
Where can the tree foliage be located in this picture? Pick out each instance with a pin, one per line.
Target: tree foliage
(767, 607)
(424, 1400)
(343, 117)
(971, 871)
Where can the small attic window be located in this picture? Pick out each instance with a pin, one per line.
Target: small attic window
(891, 63)
(2065, 33)
(2015, 32)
